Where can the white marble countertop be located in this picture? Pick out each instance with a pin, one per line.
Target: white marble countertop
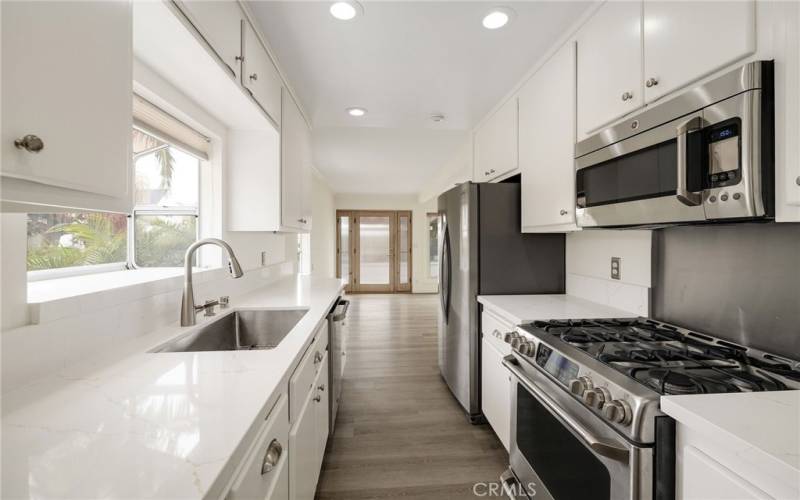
(153, 425)
(527, 308)
(762, 428)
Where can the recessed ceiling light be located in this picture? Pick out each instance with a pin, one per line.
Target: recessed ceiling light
(497, 18)
(356, 111)
(346, 10)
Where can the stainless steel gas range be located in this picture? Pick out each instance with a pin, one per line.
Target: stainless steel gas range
(586, 422)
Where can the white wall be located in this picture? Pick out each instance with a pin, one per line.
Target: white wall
(589, 268)
(323, 228)
(421, 283)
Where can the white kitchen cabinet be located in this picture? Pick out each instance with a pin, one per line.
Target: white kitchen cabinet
(609, 65)
(295, 166)
(684, 41)
(703, 478)
(269, 175)
(303, 459)
(496, 144)
(74, 94)
(264, 473)
(546, 145)
(220, 24)
(495, 392)
(321, 399)
(259, 75)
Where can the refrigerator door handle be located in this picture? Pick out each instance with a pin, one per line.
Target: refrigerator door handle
(445, 270)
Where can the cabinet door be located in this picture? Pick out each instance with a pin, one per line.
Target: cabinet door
(71, 91)
(305, 181)
(265, 471)
(716, 34)
(706, 479)
(496, 392)
(303, 461)
(496, 144)
(220, 23)
(323, 393)
(609, 65)
(259, 75)
(293, 128)
(547, 145)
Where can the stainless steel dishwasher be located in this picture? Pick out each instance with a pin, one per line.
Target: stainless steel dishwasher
(337, 343)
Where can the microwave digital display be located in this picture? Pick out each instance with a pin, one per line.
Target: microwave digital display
(723, 152)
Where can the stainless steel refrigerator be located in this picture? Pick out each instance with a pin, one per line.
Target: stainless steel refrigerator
(482, 251)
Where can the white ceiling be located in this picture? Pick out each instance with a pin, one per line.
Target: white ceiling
(402, 61)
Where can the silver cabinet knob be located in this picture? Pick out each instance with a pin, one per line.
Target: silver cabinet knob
(321, 387)
(254, 77)
(317, 358)
(797, 181)
(30, 143)
(272, 456)
(618, 411)
(563, 212)
(627, 96)
(317, 398)
(651, 82)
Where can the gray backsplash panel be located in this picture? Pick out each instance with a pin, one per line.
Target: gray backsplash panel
(739, 282)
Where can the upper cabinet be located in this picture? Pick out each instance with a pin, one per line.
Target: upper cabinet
(295, 167)
(495, 146)
(716, 34)
(259, 75)
(66, 104)
(621, 68)
(219, 23)
(609, 65)
(546, 145)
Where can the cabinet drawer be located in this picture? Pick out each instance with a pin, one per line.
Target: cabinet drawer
(302, 380)
(493, 329)
(265, 471)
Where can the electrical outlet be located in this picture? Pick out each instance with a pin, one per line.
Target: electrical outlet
(616, 265)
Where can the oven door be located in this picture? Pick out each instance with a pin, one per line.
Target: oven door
(562, 451)
(649, 179)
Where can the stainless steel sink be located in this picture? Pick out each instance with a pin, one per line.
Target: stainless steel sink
(240, 330)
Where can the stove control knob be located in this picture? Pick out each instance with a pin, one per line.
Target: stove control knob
(508, 337)
(527, 348)
(596, 397)
(578, 386)
(517, 341)
(618, 411)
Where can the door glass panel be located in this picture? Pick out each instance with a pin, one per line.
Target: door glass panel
(403, 249)
(344, 248)
(555, 453)
(374, 250)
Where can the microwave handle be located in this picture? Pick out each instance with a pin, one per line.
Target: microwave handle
(598, 445)
(685, 196)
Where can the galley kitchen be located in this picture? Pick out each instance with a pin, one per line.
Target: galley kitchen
(362, 249)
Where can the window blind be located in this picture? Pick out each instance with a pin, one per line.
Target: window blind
(155, 121)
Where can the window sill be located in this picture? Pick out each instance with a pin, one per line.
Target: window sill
(59, 298)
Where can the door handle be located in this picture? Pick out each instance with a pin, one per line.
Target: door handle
(599, 445)
(688, 198)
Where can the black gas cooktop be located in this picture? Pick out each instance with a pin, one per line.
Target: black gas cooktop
(671, 360)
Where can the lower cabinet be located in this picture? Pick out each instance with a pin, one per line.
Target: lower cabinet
(308, 438)
(496, 392)
(264, 474)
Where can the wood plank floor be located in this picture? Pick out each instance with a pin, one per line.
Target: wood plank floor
(400, 433)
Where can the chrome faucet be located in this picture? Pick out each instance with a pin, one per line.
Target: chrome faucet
(188, 309)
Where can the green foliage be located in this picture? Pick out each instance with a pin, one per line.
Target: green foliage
(97, 238)
(162, 241)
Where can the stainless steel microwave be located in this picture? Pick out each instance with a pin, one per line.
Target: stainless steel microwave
(706, 155)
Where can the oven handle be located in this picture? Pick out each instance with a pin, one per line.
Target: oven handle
(682, 192)
(598, 445)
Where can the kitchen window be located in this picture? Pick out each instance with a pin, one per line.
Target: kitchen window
(167, 161)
